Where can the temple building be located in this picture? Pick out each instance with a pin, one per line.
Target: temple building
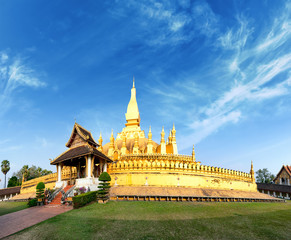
(143, 169)
(281, 186)
(84, 157)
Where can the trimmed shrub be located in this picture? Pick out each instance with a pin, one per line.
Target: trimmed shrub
(105, 177)
(83, 199)
(40, 190)
(104, 186)
(32, 202)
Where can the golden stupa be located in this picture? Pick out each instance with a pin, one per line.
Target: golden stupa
(142, 168)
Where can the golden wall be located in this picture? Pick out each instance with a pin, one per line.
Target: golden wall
(176, 170)
(49, 180)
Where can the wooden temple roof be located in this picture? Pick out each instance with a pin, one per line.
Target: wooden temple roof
(83, 133)
(274, 187)
(80, 151)
(287, 169)
(11, 190)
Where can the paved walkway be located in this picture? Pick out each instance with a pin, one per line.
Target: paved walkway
(17, 221)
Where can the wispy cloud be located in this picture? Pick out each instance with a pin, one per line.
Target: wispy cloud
(253, 71)
(15, 73)
(169, 22)
(205, 20)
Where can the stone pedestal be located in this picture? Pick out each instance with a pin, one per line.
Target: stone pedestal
(92, 183)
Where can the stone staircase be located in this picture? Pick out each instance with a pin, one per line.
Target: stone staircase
(58, 198)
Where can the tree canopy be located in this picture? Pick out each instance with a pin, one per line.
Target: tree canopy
(32, 172)
(13, 182)
(264, 176)
(5, 167)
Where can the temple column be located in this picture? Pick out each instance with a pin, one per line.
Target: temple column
(288, 181)
(78, 170)
(92, 166)
(59, 172)
(88, 167)
(70, 174)
(105, 167)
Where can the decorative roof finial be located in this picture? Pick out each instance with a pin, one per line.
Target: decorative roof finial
(163, 136)
(133, 86)
(193, 154)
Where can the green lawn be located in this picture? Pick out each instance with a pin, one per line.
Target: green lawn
(167, 220)
(9, 207)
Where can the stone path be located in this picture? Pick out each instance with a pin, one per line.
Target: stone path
(17, 221)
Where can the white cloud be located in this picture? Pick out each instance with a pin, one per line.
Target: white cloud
(4, 57)
(15, 74)
(236, 38)
(205, 20)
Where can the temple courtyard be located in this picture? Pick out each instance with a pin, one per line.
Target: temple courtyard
(166, 220)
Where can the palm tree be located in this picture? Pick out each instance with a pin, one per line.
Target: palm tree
(5, 167)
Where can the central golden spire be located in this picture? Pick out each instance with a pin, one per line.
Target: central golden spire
(132, 114)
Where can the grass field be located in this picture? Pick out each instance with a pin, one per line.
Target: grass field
(9, 207)
(167, 220)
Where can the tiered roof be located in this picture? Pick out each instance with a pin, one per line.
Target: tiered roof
(80, 144)
(80, 151)
(286, 168)
(84, 134)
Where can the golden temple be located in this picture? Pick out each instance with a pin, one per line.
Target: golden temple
(139, 166)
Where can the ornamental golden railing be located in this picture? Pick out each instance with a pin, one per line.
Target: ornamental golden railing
(172, 163)
(66, 175)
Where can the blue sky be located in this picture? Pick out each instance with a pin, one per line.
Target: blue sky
(220, 70)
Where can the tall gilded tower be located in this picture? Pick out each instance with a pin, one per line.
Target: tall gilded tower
(132, 140)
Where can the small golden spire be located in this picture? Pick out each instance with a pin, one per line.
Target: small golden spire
(193, 154)
(252, 172)
(170, 137)
(150, 135)
(112, 137)
(100, 142)
(163, 136)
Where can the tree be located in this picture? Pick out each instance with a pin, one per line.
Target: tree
(13, 182)
(40, 190)
(5, 167)
(28, 173)
(264, 176)
(104, 186)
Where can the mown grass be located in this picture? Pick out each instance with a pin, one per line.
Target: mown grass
(167, 220)
(9, 207)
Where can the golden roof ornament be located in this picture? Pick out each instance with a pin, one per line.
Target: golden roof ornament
(132, 114)
(100, 140)
(163, 135)
(193, 154)
(150, 135)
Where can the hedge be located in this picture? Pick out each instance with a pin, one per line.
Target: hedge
(83, 199)
(32, 202)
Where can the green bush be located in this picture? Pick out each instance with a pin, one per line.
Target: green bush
(40, 190)
(104, 177)
(104, 186)
(32, 202)
(83, 199)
